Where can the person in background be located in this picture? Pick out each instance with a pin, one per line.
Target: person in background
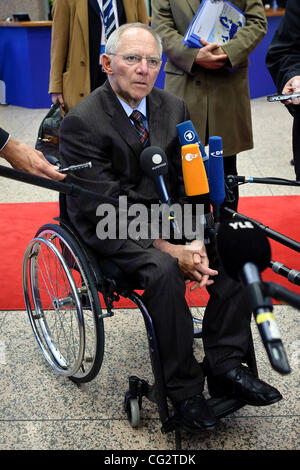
(23, 157)
(283, 63)
(79, 32)
(213, 80)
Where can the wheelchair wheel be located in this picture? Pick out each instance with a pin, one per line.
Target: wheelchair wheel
(63, 304)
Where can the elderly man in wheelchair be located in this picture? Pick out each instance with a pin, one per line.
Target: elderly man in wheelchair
(110, 128)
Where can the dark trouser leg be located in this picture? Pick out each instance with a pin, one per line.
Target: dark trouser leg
(296, 145)
(164, 296)
(226, 324)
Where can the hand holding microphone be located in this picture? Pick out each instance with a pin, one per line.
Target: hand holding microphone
(292, 86)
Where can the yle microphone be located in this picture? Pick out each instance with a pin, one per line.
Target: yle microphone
(216, 175)
(187, 135)
(245, 251)
(154, 163)
(194, 174)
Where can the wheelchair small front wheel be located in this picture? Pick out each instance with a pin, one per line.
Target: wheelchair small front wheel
(133, 412)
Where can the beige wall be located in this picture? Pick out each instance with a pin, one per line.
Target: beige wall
(35, 8)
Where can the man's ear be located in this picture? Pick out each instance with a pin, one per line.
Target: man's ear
(106, 63)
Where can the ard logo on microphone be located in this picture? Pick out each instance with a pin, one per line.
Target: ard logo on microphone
(189, 136)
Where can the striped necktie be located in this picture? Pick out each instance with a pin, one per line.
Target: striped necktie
(108, 17)
(143, 134)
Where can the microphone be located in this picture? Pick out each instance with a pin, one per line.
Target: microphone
(233, 180)
(154, 163)
(292, 275)
(194, 174)
(216, 175)
(187, 135)
(245, 251)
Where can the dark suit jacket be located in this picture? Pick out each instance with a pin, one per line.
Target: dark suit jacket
(98, 130)
(283, 57)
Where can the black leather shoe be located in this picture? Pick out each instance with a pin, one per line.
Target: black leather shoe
(196, 414)
(241, 384)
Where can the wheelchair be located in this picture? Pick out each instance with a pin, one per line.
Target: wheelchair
(62, 280)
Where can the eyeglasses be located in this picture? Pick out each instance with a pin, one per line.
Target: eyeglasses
(134, 59)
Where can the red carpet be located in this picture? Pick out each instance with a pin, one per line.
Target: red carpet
(19, 223)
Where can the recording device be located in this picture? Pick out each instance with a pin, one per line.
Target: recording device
(75, 167)
(194, 174)
(55, 161)
(245, 252)
(187, 135)
(154, 163)
(216, 174)
(290, 96)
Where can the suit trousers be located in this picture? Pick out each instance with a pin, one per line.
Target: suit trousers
(226, 322)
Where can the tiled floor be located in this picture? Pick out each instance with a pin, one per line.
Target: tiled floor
(41, 410)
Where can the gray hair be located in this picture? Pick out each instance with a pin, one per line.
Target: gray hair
(115, 37)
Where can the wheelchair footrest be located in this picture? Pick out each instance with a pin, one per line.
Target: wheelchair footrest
(224, 406)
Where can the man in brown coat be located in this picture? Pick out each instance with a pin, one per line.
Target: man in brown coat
(213, 80)
(78, 33)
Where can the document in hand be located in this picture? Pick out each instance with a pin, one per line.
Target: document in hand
(215, 21)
